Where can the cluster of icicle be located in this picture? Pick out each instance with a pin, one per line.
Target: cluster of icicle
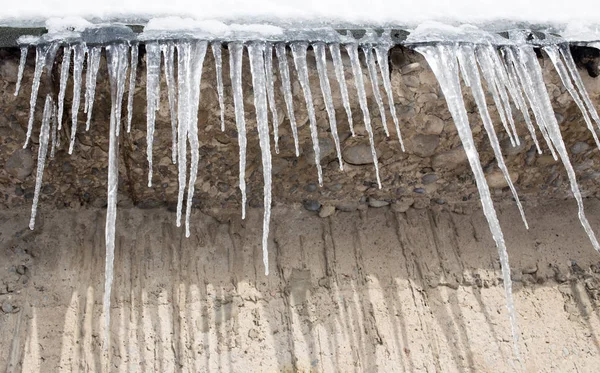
(183, 87)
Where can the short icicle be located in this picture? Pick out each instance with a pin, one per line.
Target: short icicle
(168, 52)
(286, 85)
(271, 93)
(299, 53)
(336, 57)
(319, 49)
(236, 52)
(41, 52)
(152, 98)
(24, 50)
(132, 77)
(94, 55)
(197, 52)
(217, 54)
(117, 58)
(442, 60)
(79, 51)
(382, 60)
(257, 67)
(42, 152)
(352, 50)
(372, 69)
(64, 76)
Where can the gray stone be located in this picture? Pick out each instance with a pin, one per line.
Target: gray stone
(424, 145)
(347, 206)
(20, 164)
(449, 160)
(358, 154)
(377, 203)
(7, 307)
(312, 205)
(310, 187)
(579, 147)
(433, 125)
(429, 178)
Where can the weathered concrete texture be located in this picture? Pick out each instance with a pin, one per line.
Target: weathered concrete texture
(370, 291)
(432, 171)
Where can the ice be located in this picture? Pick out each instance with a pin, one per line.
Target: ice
(352, 50)
(64, 76)
(299, 53)
(372, 69)
(217, 54)
(42, 152)
(94, 55)
(54, 132)
(467, 60)
(22, 61)
(321, 58)
(132, 77)
(563, 73)
(79, 51)
(382, 59)
(286, 85)
(442, 60)
(41, 52)
(271, 93)
(191, 66)
(336, 57)
(168, 52)
(235, 70)
(152, 98)
(117, 55)
(256, 52)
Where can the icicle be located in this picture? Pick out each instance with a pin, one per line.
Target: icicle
(235, 70)
(554, 55)
(22, 61)
(117, 70)
(42, 151)
(195, 52)
(352, 50)
(284, 73)
(90, 88)
(54, 132)
(526, 84)
(216, 50)
(41, 52)
(271, 93)
(256, 51)
(152, 98)
(443, 63)
(122, 77)
(319, 49)
(514, 89)
(132, 78)
(372, 69)
(336, 56)
(466, 58)
(382, 59)
(299, 53)
(64, 76)
(532, 68)
(79, 51)
(168, 51)
(566, 53)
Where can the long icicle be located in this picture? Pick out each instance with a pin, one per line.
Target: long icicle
(183, 120)
(271, 93)
(217, 54)
(299, 53)
(382, 52)
(132, 79)
(22, 61)
(117, 59)
(64, 76)
(352, 50)
(54, 132)
(336, 57)
(197, 52)
(152, 98)
(90, 88)
(319, 49)
(42, 152)
(41, 52)
(168, 51)
(372, 69)
(256, 52)
(236, 51)
(286, 85)
(466, 58)
(79, 51)
(442, 60)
